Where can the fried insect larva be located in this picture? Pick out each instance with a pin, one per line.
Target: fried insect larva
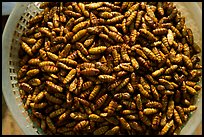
(29, 41)
(190, 109)
(150, 111)
(101, 101)
(143, 91)
(26, 87)
(151, 13)
(32, 72)
(54, 87)
(97, 50)
(138, 18)
(166, 128)
(79, 35)
(191, 90)
(106, 37)
(64, 53)
(124, 123)
(176, 31)
(144, 119)
(94, 5)
(138, 102)
(63, 66)
(114, 85)
(187, 61)
(57, 112)
(39, 105)
(133, 36)
(35, 19)
(87, 85)
(35, 82)
(181, 113)
(128, 104)
(52, 56)
(79, 26)
(94, 92)
(83, 101)
(130, 88)
(128, 112)
(83, 9)
(160, 31)
(168, 85)
(112, 6)
(126, 67)
(46, 63)
(89, 41)
(131, 9)
(115, 36)
(116, 56)
(170, 109)
(90, 72)
(28, 101)
(113, 131)
(72, 13)
(26, 48)
(106, 15)
(124, 54)
(115, 20)
(34, 61)
(95, 117)
(45, 31)
(156, 121)
(59, 40)
(70, 76)
(111, 108)
(158, 72)
(170, 37)
(171, 69)
(22, 71)
(131, 18)
(49, 69)
(136, 126)
(122, 96)
(148, 35)
(122, 84)
(124, 27)
(160, 8)
(101, 130)
(82, 56)
(50, 124)
(68, 61)
(86, 65)
(196, 47)
(154, 104)
(177, 117)
(73, 85)
(78, 116)
(79, 126)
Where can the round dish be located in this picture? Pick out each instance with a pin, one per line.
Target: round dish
(15, 26)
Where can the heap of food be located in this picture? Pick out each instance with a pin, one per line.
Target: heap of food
(109, 68)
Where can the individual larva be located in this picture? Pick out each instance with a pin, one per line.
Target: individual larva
(109, 68)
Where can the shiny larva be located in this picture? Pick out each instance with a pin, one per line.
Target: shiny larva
(82, 124)
(166, 128)
(124, 123)
(97, 50)
(70, 76)
(90, 72)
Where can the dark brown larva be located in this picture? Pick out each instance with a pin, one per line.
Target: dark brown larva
(109, 68)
